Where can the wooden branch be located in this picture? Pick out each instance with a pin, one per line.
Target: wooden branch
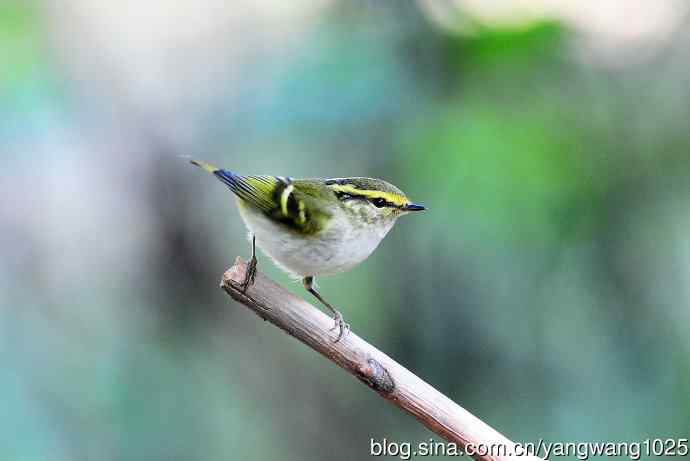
(391, 380)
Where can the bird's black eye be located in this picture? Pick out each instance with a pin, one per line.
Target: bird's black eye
(379, 202)
(343, 196)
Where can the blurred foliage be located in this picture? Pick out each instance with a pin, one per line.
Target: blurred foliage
(496, 50)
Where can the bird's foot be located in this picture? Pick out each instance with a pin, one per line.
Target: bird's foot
(250, 275)
(341, 325)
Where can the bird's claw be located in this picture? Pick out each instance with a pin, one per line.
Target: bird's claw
(340, 324)
(250, 275)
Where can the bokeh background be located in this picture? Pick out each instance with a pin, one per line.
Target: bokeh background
(547, 289)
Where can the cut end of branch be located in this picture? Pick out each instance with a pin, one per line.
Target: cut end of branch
(236, 274)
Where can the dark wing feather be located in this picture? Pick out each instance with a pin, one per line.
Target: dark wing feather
(258, 191)
(278, 198)
(292, 203)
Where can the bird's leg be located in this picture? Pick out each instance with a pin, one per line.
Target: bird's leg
(337, 316)
(250, 275)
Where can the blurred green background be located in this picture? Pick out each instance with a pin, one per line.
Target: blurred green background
(547, 289)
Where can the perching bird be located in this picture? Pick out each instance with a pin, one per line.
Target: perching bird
(314, 227)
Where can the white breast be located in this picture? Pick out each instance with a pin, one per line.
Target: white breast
(328, 253)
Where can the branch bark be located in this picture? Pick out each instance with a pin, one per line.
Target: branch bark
(391, 380)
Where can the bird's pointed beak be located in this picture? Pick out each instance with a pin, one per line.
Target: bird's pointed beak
(413, 207)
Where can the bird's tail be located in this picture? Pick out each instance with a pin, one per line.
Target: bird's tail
(225, 176)
(259, 191)
(205, 166)
(275, 196)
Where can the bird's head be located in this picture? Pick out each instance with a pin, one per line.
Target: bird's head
(369, 200)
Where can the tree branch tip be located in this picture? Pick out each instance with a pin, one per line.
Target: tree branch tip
(235, 274)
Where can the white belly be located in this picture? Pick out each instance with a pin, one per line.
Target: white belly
(327, 253)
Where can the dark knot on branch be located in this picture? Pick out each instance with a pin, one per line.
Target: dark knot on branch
(375, 375)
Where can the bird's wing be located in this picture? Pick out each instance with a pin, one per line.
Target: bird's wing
(262, 192)
(275, 196)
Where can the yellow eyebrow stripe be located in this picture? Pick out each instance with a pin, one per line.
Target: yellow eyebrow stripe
(395, 199)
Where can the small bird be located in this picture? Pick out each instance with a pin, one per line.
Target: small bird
(314, 227)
